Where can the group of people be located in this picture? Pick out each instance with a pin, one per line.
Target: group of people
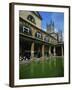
(27, 55)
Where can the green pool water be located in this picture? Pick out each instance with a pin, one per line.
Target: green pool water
(53, 67)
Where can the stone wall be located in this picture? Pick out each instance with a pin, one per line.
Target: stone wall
(24, 14)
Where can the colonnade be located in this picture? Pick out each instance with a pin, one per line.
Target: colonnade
(43, 50)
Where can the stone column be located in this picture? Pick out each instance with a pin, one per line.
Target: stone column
(32, 51)
(62, 50)
(43, 37)
(42, 52)
(50, 51)
(33, 32)
(54, 50)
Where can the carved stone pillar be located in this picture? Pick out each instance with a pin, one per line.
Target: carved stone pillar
(33, 32)
(32, 51)
(50, 51)
(42, 51)
(54, 50)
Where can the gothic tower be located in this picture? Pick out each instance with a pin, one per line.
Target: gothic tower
(50, 27)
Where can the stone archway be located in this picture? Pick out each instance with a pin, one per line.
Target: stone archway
(59, 51)
(25, 48)
(37, 50)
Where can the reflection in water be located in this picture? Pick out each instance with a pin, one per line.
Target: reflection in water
(50, 60)
(54, 62)
(63, 61)
(32, 67)
(42, 66)
(52, 67)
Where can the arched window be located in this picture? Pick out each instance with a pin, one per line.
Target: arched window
(38, 35)
(31, 18)
(46, 39)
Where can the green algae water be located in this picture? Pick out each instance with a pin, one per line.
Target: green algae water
(53, 67)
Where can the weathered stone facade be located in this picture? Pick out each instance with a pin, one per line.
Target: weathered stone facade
(24, 15)
(34, 42)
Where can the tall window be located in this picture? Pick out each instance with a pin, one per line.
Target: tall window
(27, 30)
(46, 39)
(31, 18)
(38, 35)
